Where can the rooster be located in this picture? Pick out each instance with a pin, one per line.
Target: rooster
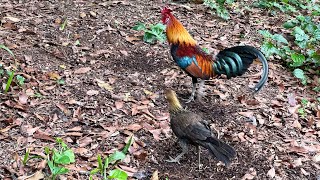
(190, 128)
(198, 64)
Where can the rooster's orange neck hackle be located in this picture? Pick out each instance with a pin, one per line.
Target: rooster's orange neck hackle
(174, 104)
(176, 33)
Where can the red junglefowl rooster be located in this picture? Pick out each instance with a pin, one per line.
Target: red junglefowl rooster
(196, 63)
(190, 128)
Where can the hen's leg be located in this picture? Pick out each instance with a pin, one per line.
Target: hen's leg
(194, 88)
(184, 146)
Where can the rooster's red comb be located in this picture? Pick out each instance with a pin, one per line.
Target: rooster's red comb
(166, 10)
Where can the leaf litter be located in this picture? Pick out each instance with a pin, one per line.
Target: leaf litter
(113, 88)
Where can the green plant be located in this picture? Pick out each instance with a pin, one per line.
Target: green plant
(219, 7)
(288, 6)
(26, 157)
(58, 158)
(302, 54)
(63, 25)
(20, 80)
(302, 110)
(12, 74)
(152, 33)
(61, 81)
(113, 159)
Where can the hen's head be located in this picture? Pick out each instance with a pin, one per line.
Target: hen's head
(166, 13)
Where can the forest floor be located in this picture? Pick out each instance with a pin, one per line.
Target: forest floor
(95, 83)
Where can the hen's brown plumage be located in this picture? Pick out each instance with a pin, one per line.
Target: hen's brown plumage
(190, 128)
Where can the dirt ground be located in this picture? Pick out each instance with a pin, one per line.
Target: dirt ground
(113, 88)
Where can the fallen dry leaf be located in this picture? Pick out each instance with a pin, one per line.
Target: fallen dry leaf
(272, 173)
(104, 85)
(92, 92)
(23, 98)
(133, 127)
(155, 175)
(296, 124)
(119, 104)
(36, 176)
(82, 70)
(247, 114)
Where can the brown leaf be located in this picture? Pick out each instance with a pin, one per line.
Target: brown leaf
(125, 53)
(63, 108)
(141, 154)
(36, 176)
(156, 134)
(133, 127)
(80, 150)
(293, 110)
(298, 149)
(316, 158)
(13, 19)
(82, 70)
(92, 92)
(297, 162)
(104, 85)
(31, 131)
(119, 104)
(131, 39)
(276, 103)
(241, 137)
(296, 124)
(41, 135)
(252, 102)
(247, 114)
(23, 98)
(6, 128)
(292, 100)
(155, 175)
(272, 173)
(242, 98)
(77, 128)
(54, 76)
(85, 141)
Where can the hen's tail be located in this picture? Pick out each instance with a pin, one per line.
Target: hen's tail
(236, 60)
(219, 149)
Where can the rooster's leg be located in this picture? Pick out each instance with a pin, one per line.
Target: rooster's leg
(194, 88)
(200, 93)
(184, 146)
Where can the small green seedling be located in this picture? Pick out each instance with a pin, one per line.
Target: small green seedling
(113, 159)
(61, 81)
(12, 74)
(63, 25)
(152, 33)
(20, 80)
(58, 158)
(219, 6)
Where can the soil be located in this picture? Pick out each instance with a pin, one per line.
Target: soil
(94, 120)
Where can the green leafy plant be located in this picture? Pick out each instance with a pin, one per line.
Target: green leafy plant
(219, 6)
(9, 81)
(302, 54)
(20, 80)
(152, 33)
(288, 6)
(58, 158)
(113, 159)
(27, 157)
(63, 25)
(61, 81)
